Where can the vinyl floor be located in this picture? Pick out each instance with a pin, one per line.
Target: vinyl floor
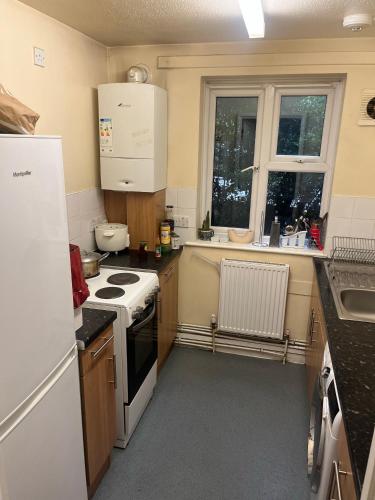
(219, 427)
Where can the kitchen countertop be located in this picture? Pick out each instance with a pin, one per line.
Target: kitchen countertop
(95, 321)
(130, 259)
(352, 347)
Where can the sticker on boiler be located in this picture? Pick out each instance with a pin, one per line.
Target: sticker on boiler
(105, 132)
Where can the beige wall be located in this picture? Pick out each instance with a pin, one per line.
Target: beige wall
(199, 286)
(180, 69)
(64, 92)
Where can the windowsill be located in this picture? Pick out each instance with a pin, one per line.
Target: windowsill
(250, 247)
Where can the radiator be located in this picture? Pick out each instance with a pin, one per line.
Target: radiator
(252, 298)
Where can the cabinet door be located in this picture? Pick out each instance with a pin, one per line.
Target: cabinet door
(172, 303)
(316, 339)
(168, 302)
(342, 483)
(98, 403)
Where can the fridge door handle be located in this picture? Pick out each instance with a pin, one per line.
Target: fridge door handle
(12, 421)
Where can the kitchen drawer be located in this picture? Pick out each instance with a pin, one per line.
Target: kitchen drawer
(95, 351)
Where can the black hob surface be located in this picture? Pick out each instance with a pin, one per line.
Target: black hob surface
(123, 279)
(110, 292)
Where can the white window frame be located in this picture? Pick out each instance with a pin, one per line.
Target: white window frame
(269, 92)
(209, 146)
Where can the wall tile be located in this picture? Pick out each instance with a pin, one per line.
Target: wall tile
(187, 234)
(88, 241)
(339, 226)
(90, 201)
(85, 208)
(73, 204)
(74, 226)
(360, 222)
(361, 228)
(364, 208)
(171, 196)
(187, 198)
(342, 206)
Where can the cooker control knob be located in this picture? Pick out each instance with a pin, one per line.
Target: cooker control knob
(137, 314)
(149, 300)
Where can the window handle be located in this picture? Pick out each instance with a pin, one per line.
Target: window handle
(252, 167)
(299, 160)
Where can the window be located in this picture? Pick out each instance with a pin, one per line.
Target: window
(301, 125)
(235, 126)
(290, 194)
(268, 149)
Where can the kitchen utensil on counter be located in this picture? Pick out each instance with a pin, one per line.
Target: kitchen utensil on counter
(91, 263)
(240, 236)
(295, 240)
(260, 242)
(112, 237)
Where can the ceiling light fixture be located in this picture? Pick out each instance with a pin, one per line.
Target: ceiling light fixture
(252, 13)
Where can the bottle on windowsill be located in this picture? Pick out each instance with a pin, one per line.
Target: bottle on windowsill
(275, 233)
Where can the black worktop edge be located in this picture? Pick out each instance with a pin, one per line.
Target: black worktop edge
(95, 321)
(352, 348)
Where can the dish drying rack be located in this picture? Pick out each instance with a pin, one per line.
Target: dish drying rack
(353, 251)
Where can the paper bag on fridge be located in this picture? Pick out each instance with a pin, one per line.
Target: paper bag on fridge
(15, 117)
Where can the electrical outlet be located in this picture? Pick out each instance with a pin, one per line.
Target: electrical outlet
(39, 57)
(181, 221)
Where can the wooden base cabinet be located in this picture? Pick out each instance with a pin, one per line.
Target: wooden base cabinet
(98, 381)
(316, 339)
(167, 311)
(342, 483)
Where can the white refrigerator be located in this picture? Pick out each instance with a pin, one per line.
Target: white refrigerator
(41, 444)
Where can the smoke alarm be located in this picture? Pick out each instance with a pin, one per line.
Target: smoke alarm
(357, 22)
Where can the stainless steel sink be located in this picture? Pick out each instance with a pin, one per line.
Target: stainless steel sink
(359, 303)
(353, 290)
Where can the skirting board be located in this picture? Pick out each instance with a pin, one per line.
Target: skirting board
(201, 337)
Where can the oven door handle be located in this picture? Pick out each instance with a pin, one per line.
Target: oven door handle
(146, 320)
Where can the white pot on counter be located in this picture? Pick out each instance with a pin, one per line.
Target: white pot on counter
(112, 237)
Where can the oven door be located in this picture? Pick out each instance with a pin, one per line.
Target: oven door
(317, 435)
(142, 348)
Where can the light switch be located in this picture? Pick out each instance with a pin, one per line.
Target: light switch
(39, 57)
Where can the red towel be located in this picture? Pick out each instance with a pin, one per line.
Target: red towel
(79, 286)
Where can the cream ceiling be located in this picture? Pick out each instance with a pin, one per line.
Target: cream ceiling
(133, 22)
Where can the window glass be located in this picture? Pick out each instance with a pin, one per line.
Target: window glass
(301, 125)
(235, 126)
(291, 194)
